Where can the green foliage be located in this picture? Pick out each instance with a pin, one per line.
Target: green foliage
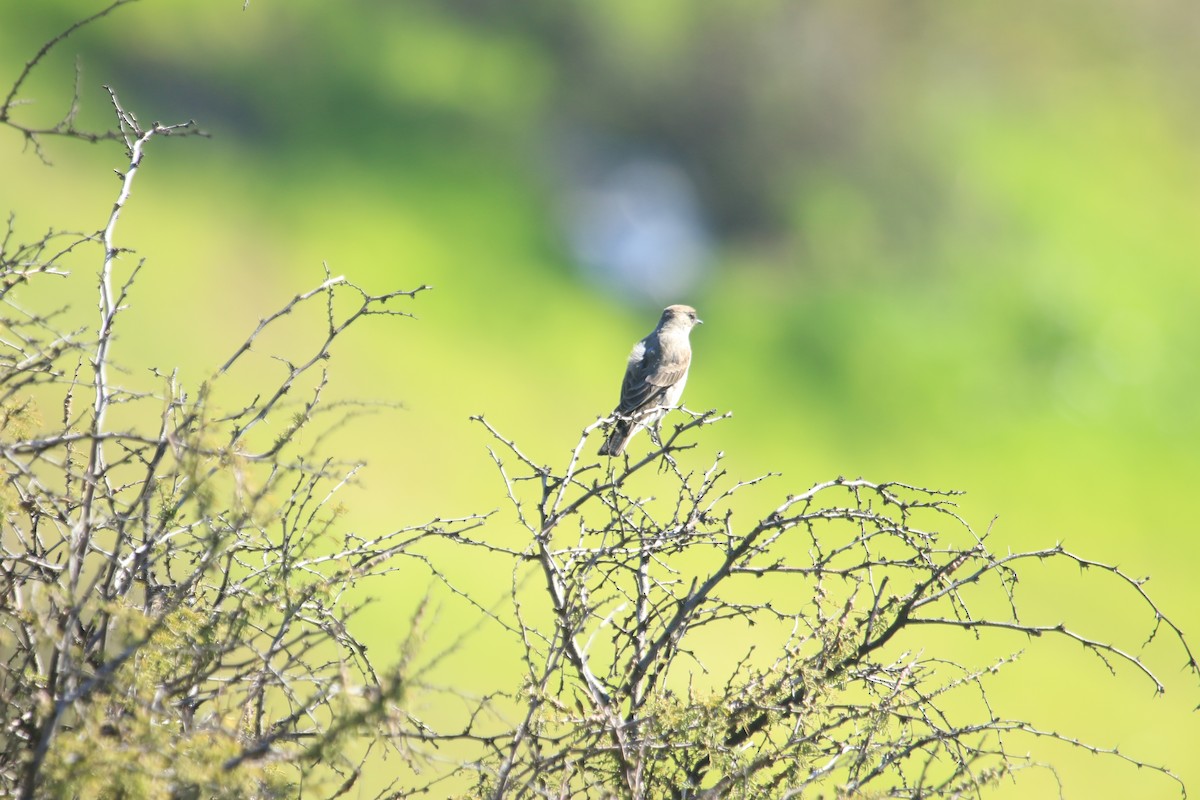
(137, 740)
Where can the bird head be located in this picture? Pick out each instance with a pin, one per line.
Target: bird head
(680, 316)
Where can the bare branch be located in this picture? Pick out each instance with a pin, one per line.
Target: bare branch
(66, 126)
(649, 594)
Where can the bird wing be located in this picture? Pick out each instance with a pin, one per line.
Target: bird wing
(650, 372)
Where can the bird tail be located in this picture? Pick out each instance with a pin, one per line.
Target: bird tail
(614, 445)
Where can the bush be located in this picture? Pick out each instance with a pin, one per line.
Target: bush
(177, 593)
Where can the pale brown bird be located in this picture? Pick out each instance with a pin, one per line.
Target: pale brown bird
(654, 377)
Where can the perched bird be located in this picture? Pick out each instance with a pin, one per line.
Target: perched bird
(654, 377)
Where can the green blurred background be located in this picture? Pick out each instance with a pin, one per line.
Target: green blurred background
(955, 245)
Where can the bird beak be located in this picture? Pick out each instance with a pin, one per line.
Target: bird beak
(699, 321)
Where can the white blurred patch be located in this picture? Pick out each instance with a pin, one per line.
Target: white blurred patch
(635, 225)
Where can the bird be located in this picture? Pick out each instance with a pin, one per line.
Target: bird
(654, 377)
